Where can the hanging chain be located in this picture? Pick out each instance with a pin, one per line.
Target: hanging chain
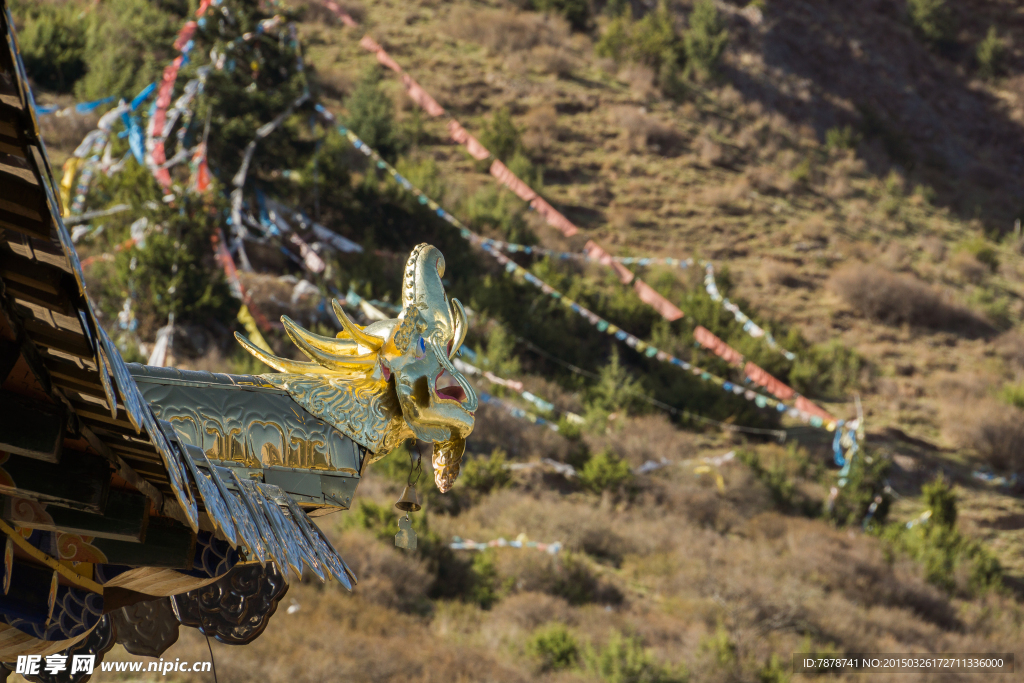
(415, 465)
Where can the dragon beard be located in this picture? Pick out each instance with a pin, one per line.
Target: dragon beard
(447, 461)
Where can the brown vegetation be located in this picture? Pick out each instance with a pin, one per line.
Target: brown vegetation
(992, 430)
(503, 31)
(643, 132)
(903, 299)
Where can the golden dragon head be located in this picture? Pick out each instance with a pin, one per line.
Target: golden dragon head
(393, 379)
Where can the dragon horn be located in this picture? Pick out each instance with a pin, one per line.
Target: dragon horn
(279, 364)
(337, 347)
(421, 281)
(325, 359)
(461, 325)
(355, 331)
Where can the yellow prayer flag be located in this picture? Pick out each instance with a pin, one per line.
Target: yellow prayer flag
(67, 182)
(245, 317)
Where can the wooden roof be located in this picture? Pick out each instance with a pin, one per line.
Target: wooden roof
(68, 404)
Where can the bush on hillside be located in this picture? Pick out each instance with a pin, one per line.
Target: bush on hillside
(616, 389)
(485, 474)
(501, 136)
(897, 299)
(624, 659)
(576, 12)
(504, 139)
(841, 138)
(496, 207)
(991, 55)
(951, 560)
(829, 369)
(931, 19)
(172, 268)
(1013, 394)
(499, 356)
(982, 250)
(424, 173)
(53, 45)
(994, 431)
(129, 42)
(371, 115)
(605, 471)
(704, 40)
(865, 483)
(554, 646)
(941, 501)
(651, 41)
(778, 471)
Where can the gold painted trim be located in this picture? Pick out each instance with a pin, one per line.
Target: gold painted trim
(38, 555)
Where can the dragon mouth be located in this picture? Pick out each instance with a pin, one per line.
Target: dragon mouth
(446, 388)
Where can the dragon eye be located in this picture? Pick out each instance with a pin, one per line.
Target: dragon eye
(423, 345)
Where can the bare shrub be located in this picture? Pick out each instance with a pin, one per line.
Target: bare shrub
(502, 31)
(641, 131)
(64, 133)
(994, 430)
(747, 137)
(528, 610)
(649, 437)
(969, 267)
(775, 273)
(541, 127)
(496, 428)
(815, 229)
(767, 179)
(277, 296)
(551, 59)
(896, 257)
(1010, 346)
(728, 196)
(387, 576)
(898, 299)
(640, 79)
(621, 217)
(935, 247)
(710, 152)
(838, 187)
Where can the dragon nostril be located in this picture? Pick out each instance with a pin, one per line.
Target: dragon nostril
(446, 387)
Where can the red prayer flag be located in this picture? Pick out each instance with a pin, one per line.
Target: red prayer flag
(511, 181)
(553, 217)
(808, 407)
(185, 34)
(595, 252)
(663, 306)
(462, 136)
(763, 378)
(384, 58)
(340, 13)
(422, 97)
(368, 43)
(709, 341)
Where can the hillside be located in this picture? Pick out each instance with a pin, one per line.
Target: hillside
(852, 171)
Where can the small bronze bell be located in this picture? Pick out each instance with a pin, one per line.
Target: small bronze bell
(408, 502)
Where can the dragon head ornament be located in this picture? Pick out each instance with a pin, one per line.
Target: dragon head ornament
(390, 380)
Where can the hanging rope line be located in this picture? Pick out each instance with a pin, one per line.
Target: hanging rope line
(803, 410)
(164, 119)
